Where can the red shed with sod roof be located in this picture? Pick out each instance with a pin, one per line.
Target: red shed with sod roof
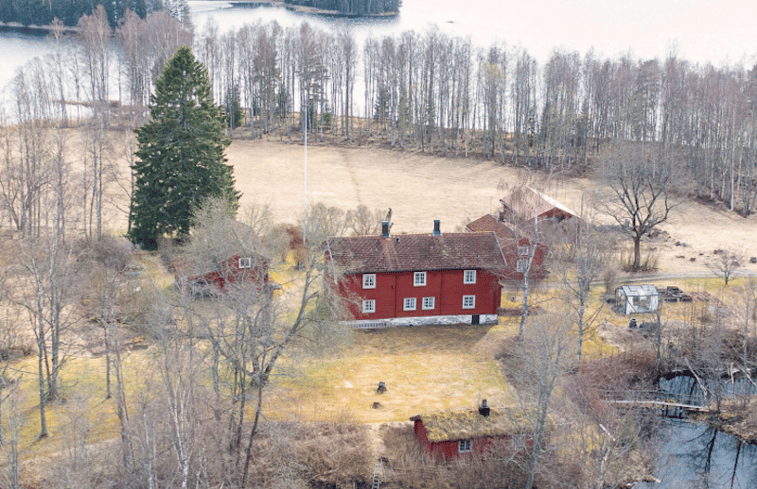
(453, 434)
(418, 278)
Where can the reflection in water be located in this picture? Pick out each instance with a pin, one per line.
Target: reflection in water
(697, 456)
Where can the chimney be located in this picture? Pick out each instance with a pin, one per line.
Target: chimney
(384, 229)
(437, 232)
(483, 409)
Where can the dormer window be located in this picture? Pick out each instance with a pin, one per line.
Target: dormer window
(523, 250)
(245, 262)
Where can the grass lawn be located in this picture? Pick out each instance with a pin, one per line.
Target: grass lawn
(425, 368)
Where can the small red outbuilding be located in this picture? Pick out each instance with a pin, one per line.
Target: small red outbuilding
(479, 433)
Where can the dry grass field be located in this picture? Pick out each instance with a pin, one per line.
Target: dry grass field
(420, 188)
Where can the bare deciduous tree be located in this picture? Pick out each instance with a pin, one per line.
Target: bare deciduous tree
(642, 187)
(725, 263)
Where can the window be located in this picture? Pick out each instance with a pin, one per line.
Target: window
(369, 306)
(469, 301)
(464, 446)
(523, 250)
(245, 262)
(420, 279)
(428, 303)
(409, 304)
(470, 277)
(369, 280)
(521, 265)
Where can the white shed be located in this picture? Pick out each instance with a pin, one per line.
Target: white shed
(637, 299)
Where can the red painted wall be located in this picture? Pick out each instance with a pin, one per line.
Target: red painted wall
(231, 273)
(537, 271)
(449, 450)
(446, 286)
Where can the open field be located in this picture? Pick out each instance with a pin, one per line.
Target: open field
(421, 188)
(425, 368)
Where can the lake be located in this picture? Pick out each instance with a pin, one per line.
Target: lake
(699, 30)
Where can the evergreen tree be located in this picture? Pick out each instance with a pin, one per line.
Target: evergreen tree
(180, 156)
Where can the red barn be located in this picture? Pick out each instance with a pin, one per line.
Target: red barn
(455, 434)
(233, 262)
(415, 279)
(527, 204)
(516, 248)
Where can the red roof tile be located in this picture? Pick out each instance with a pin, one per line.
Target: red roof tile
(491, 224)
(408, 252)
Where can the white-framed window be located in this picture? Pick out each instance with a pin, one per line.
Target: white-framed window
(464, 446)
(369, 280)
(408, 304)
(428, 303)
(469, 302)
(419, 279)
(521, 265)
(523, 250)
(245, 262)
(469, 277)
(369, 306)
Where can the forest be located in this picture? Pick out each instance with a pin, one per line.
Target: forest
(352, 7)
(42, 13)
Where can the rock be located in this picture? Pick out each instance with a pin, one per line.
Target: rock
(753, 259)
(692, 259)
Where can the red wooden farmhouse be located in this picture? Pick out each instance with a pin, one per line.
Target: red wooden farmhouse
(487, 431)
(415, 279)
(516, 248)
(233, 263)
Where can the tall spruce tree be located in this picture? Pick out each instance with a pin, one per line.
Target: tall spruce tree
(180, 156)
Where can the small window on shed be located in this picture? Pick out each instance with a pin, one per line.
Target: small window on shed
(464, 446)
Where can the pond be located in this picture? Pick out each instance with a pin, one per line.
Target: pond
(694, 455)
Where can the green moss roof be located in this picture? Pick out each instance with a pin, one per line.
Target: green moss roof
(463, 425)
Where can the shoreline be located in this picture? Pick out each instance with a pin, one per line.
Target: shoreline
(39, 30)
(301, 9)
(33, 30)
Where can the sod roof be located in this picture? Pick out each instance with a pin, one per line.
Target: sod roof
(463, 425)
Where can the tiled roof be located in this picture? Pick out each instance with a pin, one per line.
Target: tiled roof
(490, 224)
(408, 252)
